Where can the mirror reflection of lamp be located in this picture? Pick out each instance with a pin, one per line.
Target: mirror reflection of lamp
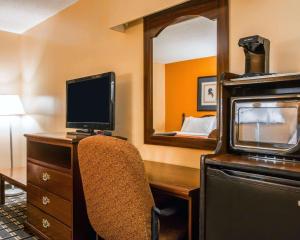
(11, 105)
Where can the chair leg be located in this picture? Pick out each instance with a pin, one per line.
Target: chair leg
(154, 223)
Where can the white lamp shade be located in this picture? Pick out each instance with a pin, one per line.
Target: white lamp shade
(11, 105)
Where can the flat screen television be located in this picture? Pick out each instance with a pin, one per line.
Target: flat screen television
(91, 102)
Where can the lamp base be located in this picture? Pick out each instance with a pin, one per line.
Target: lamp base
(13, 191)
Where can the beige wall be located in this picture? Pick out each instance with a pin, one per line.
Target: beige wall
(120, 11)
(77, 42)
(274, 19)
(9, 63)
(159, 97)
(10, 83)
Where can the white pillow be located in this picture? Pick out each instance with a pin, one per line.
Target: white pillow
(199, 125)
(185, 124)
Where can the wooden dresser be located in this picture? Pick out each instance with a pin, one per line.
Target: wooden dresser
(55, 201)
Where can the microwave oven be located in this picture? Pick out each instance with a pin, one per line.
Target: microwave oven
(266, 124)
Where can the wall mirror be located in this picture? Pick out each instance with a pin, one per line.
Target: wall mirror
(185, 50)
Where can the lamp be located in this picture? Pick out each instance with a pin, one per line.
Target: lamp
(11, 105)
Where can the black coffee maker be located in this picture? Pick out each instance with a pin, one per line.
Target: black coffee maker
(257, 52)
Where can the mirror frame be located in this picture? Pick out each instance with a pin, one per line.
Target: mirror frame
(153, 25)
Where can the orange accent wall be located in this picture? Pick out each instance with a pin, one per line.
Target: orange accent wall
(181, 89)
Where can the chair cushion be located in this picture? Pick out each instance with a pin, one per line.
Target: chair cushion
(116, 190)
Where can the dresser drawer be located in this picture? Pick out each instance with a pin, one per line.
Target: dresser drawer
(47, 224)
(50, 203)
(50, 180)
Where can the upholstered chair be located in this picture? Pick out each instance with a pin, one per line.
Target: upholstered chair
(117, 194)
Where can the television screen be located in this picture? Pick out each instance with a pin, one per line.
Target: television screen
(90, 102)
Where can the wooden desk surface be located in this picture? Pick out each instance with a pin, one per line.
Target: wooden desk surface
(52, 138)
(182, 181)
(17, 176)
(177, 180)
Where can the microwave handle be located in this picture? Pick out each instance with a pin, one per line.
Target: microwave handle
(294, 149)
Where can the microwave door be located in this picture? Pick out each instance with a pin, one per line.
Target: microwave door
(265, 125)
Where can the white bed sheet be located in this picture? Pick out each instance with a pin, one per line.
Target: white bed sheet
(192, 134)
(198, 126)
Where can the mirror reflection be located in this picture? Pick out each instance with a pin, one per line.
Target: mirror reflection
(184, 79)
(266, 124)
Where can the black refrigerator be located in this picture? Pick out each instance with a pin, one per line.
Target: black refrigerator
(246, 200)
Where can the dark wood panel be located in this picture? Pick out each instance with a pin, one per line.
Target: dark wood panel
(50, 154)
(50, 203)
(50, 180)
(186, 142)
(263, 80)
(47, 224)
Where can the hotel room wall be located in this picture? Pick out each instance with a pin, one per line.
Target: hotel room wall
(135, 9)
(78, 42)
(10, 83)
(181, 89)
(276, 20)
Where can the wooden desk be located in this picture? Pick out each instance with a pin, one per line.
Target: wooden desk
(15, 176)
(165, 179)
(179, 182)
(175, 180)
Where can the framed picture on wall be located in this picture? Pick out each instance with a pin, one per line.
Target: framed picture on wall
(207, 93)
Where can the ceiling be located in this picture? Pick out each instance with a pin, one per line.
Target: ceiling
(18, 16)
(194, 38)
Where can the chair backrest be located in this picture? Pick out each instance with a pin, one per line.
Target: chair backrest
(117, 193)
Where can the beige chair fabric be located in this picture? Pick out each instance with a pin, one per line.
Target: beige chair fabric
(116, 190)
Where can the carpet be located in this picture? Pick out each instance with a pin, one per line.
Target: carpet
(12, 217)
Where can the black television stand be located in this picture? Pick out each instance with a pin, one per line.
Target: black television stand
(85, 131)
(89, 132)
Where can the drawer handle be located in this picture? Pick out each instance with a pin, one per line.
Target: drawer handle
(299, 203)
(45, 176)
(46, 223)
(45, 200)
